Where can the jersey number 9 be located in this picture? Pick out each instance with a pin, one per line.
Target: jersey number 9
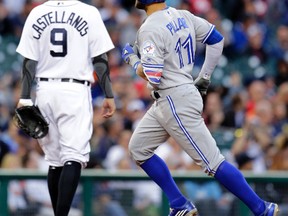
(58, 37)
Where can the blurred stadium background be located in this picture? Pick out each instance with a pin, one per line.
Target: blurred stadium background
(245, 109)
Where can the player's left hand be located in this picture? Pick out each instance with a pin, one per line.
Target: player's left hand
(202, 85)
(129, 56)
(108, 107)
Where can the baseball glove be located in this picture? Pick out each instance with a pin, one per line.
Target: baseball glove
(30, 120)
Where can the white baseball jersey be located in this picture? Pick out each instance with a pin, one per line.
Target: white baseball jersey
(171, 34)
(63, 37)
(49, 32)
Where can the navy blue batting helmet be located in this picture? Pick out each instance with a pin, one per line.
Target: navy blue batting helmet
(146, 2)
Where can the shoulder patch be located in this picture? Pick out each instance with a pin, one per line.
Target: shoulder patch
(148, 48)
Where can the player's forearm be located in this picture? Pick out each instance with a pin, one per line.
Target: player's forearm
(139, 72)
(212, 56)
(103, 74)
(28, 75)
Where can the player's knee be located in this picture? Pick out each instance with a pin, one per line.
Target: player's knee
(137, 152)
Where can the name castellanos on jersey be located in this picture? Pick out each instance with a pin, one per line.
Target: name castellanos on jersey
(60, 17)
(176, 25)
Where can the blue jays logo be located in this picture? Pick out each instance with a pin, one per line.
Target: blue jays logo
(148, 48)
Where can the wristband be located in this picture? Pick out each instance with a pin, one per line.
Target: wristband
(26, 102)
(134, 61)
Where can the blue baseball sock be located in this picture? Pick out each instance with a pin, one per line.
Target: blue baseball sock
(158, 171)
(233, 180)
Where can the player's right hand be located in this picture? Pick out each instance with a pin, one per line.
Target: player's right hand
(127, 52)
(108, 107)
(130, 57)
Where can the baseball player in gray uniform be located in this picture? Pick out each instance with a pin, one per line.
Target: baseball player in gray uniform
(164, 54)
(63, 42)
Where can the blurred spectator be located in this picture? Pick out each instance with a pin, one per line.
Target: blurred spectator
(256, 34)
(213, 111)
(231, 9)
(282, 94)
(6, 101)
(123, 90)
(223, 25)
(247, 36)
(281, 71)
(14, 7)
(280, 49)
(280, 117)
(280, 103)
(256, 93)
(135, 111)
(112, 127)
(19, 11)
(252, 144)
(278, 12)
(129, 29)
(199, 7)
(280, 158)
(118, 157)
(14, 141)
(235, 116)
(175, 157)
(112, 13)
(234, 87)
(6, 27)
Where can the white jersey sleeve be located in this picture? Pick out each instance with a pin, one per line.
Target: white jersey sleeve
(27, 46)
(98, 35)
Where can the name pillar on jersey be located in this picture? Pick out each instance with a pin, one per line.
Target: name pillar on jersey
(176, 25)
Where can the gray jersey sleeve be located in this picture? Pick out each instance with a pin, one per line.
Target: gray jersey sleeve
(202, 27)
(151, 55)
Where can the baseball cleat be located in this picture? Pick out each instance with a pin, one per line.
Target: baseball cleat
(188, 209)
(272, 209)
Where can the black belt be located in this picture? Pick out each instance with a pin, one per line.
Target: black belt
(155, 95)
(84, 82)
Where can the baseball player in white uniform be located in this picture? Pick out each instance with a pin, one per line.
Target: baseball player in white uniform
(62, 43)
(164, 54)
